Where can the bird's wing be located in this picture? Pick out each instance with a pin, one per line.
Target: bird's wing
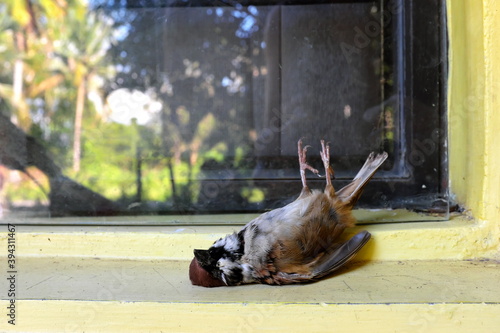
(352, 191)
(328, 263)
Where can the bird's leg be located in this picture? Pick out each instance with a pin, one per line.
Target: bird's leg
(304, 166)
(325, 157)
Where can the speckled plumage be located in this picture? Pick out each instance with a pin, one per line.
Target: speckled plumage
(299, 242)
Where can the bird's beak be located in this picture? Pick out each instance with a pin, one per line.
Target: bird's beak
(203, 257)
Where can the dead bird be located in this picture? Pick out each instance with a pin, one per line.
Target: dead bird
(297, 243)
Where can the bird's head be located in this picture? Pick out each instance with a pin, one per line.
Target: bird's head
(219, 265)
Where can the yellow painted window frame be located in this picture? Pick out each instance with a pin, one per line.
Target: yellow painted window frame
(474, 135)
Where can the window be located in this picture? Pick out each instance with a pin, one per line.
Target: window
(196, 107)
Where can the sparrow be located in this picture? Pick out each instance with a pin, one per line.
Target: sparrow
(298, 243)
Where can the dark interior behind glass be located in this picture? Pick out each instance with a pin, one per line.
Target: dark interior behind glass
(213, 96)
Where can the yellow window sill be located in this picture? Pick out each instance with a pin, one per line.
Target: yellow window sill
(135, 279)
(84, 316)
(458, 238)
(414, 277)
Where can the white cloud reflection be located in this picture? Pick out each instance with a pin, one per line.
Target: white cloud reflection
(125, 105)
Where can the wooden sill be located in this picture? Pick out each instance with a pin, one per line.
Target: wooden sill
(117, 295)
(411, 277)
(458, 238)
(414, 277)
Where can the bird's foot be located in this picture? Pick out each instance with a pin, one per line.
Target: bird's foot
(303, 163)
(325, 157)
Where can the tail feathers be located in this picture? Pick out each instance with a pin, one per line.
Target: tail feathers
(352, 191)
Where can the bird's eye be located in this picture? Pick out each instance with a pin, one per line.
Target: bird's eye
(216, 252)
(211, 251)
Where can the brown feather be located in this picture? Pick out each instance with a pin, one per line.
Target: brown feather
(322, 223)
(352, 191)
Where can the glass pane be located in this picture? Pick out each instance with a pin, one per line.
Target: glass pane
(197, 108)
